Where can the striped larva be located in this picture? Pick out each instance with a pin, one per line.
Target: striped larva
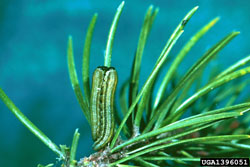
(101, 105)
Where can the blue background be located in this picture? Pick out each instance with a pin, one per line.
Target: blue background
(33, 67)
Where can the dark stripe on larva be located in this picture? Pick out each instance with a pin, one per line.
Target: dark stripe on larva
(101, 105)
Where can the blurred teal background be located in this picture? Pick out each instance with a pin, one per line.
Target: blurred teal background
(33, 68)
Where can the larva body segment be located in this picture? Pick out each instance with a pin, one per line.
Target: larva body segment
(94, 116)
(101, 105)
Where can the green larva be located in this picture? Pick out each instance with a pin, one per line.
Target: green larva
(101, 105)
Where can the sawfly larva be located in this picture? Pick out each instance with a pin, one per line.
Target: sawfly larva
(101, 105)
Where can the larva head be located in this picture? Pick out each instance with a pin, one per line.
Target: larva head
(105, 75)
